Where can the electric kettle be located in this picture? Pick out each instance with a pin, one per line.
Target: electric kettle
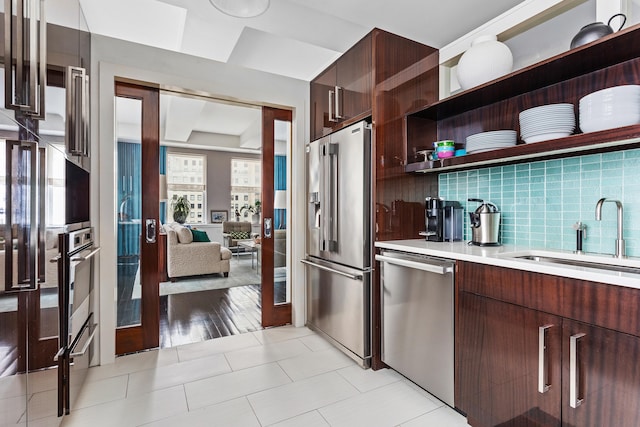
(485, 224)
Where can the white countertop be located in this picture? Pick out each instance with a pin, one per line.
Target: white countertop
(499, 256)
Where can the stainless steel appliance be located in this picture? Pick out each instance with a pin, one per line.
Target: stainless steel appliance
(339, 230)
(77, 327)
(443, 220)
(418, 319)
(485, 224)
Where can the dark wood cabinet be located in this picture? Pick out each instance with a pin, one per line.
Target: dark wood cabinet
(343, 91)
(523, 358)
(498, 367)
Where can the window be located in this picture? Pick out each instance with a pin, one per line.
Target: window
(246, 184)
(186, 175)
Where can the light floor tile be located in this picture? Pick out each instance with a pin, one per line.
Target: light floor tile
(43, 380)
(12, 410)
(175, 374)
(234, 413)
(316, 342)
(133, 411)
(283, 333)
(386, 406)
(233, 385)
(107, 390)
(293, 399)
(215, 346)
(314, 363)
(310, 419)
(134, 363)
(368, 379)
(43, 404)
(441, 417)
(260, 355)
(13, 386)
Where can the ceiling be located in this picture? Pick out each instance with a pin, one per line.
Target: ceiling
(293, 38)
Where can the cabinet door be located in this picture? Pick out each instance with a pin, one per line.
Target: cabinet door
(354, 80)
(607, 377)
(498, 364)
(320, 88)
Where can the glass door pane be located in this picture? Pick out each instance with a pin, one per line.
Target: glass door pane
(129, 206)
(281, 284)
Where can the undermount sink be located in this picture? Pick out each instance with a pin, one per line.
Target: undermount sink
(600, 262)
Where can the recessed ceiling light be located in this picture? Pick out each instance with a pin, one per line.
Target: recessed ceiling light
(241, 8)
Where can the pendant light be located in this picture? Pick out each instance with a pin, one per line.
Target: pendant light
(241, 8)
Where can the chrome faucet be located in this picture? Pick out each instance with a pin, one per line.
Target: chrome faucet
(620, 252)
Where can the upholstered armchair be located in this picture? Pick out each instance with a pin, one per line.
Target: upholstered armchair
(232, 231)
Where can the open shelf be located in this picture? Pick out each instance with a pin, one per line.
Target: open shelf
(610, 50)
(583, 143)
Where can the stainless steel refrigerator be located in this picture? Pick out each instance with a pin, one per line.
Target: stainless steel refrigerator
(338, 240)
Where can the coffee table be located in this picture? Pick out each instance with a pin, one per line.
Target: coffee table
(253, 247)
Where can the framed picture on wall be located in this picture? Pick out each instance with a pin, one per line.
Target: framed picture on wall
(218, 216)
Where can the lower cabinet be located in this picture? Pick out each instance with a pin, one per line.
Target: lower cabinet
(523, 367)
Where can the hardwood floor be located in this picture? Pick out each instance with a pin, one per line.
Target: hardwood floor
(199, 316)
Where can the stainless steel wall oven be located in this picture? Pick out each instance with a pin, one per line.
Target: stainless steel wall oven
(77, 323)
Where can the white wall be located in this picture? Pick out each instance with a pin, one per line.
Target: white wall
(113, 58)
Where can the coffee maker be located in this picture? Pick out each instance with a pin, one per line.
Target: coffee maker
(443, 220)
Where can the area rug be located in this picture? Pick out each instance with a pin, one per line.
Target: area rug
(242, 273)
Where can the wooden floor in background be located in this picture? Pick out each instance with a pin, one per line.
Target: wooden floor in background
(199, 316)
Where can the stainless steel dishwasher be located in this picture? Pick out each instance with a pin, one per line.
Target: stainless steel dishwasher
(417, 319)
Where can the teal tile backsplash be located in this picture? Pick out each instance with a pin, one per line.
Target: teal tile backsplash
(540, 201)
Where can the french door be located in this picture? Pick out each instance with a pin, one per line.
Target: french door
(276, 285)
(138, 147)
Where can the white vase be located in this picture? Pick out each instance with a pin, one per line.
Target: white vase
(485, 60)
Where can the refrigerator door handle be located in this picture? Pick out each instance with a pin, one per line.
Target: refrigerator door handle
(333, 270)
(332, 217)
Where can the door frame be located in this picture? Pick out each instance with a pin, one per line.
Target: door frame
(272, 314)
(146, 335)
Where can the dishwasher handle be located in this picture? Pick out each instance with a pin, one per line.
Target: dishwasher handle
(438, 269)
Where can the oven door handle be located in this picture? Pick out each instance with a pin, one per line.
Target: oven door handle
(84, 258)
(86, 345)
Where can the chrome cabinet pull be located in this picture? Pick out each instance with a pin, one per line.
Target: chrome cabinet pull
(77, 128)
(25, 92)
(574, 377)
(331, 115)
(543, 384)
(338, 110)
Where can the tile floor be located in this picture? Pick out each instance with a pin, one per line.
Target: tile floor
(276, 377)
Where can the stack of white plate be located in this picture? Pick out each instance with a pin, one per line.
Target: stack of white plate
(485, 141)
(610, 108)
(547, 122)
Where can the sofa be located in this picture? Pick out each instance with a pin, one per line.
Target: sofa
(186, 257)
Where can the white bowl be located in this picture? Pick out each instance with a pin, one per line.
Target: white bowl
(545, 137)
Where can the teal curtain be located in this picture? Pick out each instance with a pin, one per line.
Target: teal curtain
(280, 183)
(129, 198)
(163, 171)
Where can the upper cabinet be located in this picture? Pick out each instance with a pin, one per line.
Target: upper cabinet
(343, 91)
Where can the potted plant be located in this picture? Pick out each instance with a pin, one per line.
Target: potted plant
(254, 210)
(181, 207)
